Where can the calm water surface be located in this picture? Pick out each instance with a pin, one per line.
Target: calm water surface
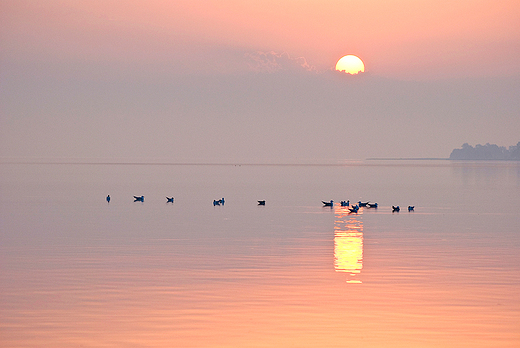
(78, 272)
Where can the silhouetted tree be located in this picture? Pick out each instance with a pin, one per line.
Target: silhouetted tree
(515, 151)
(486, 152)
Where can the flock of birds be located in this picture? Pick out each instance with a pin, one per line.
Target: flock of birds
(354, 208)
(171, 199)
(351, 208)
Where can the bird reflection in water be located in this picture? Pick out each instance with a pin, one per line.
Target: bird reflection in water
(348, 243)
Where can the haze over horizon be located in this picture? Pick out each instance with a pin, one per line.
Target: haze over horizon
(231, 81)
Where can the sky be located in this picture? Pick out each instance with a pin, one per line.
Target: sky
(253, 81)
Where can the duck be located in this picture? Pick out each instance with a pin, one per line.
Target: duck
(328, 204)
(261, 202)
(345, 203)
(169, 199)
(108, 199)
(215, 202)
(395, 209)
(361, 204)
(411, 207)
(354, 209)
(372, 205)
(138, 198)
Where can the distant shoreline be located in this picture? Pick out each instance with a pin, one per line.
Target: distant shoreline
(406, 159)
(439, 159)
(489, 151)
(273, 164)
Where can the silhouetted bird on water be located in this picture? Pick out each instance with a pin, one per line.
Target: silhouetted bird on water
(395, 209)
(108, 199)
(372, 205)
(345, 203)
(411, 207)
(261, 202)
(361, 204)
(169, 199)
(354, 209)
(218, 202)
(328, 204)
(138, 198)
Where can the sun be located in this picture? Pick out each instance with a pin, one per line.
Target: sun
(350, 64)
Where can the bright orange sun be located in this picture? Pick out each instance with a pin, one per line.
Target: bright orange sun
(350, 64)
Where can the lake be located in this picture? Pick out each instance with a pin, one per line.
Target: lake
(77, 271)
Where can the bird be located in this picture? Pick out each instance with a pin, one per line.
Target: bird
(169, 199)
(411, 207)
(372, 205)
(261, 202)
(138, 198)
(108, 199)
(345, 203)
(215, 202)
(328, 204)
(354, 209)
(395, 208)
(361, 204)
(222, 201)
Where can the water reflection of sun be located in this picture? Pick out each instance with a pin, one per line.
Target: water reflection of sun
(348, 243)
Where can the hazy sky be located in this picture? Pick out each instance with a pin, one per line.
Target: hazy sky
(252, 80)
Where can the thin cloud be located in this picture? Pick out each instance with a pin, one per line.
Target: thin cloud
(270, 62)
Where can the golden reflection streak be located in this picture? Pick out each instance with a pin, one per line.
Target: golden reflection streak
(348, 243)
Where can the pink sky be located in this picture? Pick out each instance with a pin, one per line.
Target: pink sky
(403, 39)
(83, 79)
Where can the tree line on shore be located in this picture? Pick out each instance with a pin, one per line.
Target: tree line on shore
(486, 152)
